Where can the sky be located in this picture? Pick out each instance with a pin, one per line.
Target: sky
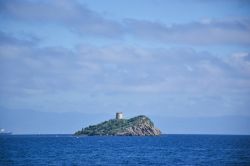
(67, 64)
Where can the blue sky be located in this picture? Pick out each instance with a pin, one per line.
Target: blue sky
(67, 64)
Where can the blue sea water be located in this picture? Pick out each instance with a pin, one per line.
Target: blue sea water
(106, 150)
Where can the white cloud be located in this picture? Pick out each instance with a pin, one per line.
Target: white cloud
(241, 62)
(82, 20)
(212, 32)
(71, 14)
(120, 68)
(104, 78)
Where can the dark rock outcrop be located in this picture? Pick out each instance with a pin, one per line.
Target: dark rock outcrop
(137, 126)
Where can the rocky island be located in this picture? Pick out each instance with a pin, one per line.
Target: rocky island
(137, 126)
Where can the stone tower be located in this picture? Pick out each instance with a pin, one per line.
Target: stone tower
(119, 115)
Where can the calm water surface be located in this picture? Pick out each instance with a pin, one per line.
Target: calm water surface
(162, 150)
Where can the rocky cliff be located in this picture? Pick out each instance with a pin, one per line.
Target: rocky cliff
(137, 126)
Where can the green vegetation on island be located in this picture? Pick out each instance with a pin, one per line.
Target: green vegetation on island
(140, 125)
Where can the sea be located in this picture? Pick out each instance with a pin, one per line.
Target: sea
(170, 150)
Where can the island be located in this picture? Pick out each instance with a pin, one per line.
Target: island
(137, 126)
(3, 132)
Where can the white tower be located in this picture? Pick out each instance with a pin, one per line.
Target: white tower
(119, 115)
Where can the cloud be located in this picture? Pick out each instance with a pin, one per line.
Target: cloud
(119, 68)
(241, 61)
(74, 16)
(208, 32)
(25, 39)
(117, 77)
(78, 18)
